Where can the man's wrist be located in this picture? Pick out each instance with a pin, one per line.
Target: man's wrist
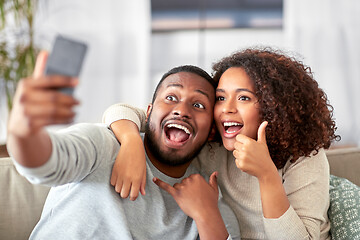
(211, 225)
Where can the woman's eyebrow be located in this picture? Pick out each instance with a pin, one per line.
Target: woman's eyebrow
(237, 90)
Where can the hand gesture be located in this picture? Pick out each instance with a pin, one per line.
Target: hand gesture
(252, 156)
(37, 103)
(199, 200)
(194, 195)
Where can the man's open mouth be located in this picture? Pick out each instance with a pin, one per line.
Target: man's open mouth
(177, 133)
(232, 127)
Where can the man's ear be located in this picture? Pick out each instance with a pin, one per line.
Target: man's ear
(148, 111)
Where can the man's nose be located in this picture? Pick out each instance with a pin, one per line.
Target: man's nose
(182, 109)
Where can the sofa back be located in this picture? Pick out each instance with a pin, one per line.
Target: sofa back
(345, 163)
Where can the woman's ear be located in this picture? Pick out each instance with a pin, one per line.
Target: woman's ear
(148, 112)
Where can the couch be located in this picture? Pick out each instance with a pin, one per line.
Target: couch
(21, 202)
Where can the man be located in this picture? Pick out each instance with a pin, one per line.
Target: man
(77, 162)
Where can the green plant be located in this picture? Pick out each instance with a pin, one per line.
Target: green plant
(17, 50)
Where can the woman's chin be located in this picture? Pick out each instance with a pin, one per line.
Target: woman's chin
(229, 144)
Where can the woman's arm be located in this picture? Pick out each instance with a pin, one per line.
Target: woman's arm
(122, 111)
(306, 183)
(294, 203)
(252, 156)
(129, 170)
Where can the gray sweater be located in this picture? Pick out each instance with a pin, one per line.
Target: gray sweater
(83, 205)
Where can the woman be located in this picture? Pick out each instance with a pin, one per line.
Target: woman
(274, 122)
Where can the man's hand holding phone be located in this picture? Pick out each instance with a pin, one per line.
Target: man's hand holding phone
(38, 103)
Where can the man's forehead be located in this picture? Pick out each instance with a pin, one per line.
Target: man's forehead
(185, 80)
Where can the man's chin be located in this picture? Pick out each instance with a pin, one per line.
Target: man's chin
(174, 157)
(174, 154)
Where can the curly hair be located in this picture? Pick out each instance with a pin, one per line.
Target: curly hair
(298, 111)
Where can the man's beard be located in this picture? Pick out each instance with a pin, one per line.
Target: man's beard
(170, 157)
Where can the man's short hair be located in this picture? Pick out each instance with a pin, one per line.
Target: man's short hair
(185, 68)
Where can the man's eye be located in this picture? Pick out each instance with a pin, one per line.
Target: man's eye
(171, 98)
(244, 98)
(220, 98)
(199, 105)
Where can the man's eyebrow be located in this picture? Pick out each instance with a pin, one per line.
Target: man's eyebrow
(181, 86)
(202, 92)
(174, 85)
(237, 90)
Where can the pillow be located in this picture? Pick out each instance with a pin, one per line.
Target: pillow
(344, 210)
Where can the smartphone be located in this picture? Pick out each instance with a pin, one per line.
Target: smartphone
(66, 58)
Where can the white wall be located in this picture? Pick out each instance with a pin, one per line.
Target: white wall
(116, 66)
(202, 48)
(339, 77)
(327, 34)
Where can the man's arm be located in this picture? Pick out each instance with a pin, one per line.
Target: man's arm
(38, 103)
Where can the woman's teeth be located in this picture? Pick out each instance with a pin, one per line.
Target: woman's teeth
(229, 127)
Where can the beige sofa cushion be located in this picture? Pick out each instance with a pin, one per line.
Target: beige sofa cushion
(345, 163)
(21, 203)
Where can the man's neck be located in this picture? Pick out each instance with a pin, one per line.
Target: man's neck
(171, 171)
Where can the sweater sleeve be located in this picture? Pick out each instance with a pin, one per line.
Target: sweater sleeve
(306, 184)
(121, 111)
(76, 152)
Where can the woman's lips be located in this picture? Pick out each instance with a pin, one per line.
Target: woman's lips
(231, 128)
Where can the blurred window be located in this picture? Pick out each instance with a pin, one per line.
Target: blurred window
(170, 15)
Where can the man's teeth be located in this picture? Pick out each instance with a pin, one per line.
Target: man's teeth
(187, 131)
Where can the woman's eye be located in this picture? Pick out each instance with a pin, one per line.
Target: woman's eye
(244, 98)
(199, 105)
(171, 98)
(220, 98)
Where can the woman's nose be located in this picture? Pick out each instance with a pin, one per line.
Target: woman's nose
(229, 106)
